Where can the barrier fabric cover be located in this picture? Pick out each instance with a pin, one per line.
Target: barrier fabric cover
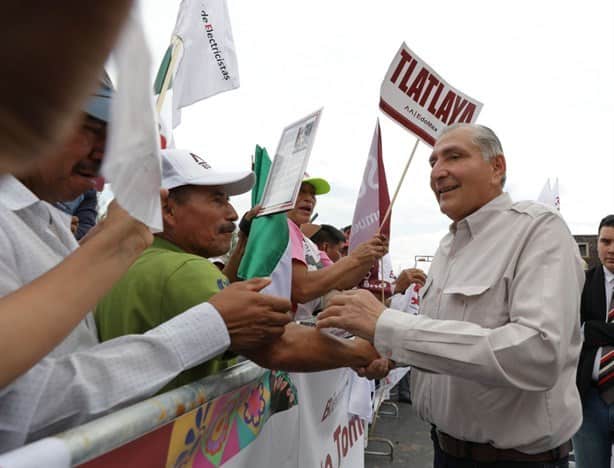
(278, 420)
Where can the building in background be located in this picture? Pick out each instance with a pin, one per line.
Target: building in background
(587, 244)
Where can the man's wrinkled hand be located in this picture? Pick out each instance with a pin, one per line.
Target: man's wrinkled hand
(356, 311)
(377, 369)
(252, 319)
(121, 230)
(408, 277)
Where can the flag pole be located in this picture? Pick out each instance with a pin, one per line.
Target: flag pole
(177, 44)
(399, 186)
(383, 282)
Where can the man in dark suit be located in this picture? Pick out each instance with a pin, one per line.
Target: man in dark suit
(595, 378)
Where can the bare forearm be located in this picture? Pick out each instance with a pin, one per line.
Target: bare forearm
(345, 274)
(305, 349)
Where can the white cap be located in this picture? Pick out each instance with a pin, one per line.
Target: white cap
(180, 167)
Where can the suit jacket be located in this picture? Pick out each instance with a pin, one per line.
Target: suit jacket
(597, 332)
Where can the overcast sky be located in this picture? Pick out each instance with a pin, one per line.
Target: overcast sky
(543, 70)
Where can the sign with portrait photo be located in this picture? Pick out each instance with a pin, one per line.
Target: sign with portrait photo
(288, 168)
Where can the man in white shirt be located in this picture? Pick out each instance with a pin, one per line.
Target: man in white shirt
(81, 378)
(593, 442)
(495, 348)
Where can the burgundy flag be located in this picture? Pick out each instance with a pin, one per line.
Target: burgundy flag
(371, 206)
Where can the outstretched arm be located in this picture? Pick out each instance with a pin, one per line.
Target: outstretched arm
(344, 274)
(307, 349)
(36, 317)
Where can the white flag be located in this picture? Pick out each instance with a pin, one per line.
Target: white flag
(555, 195)
(550, 195)
(545, 195)
(132, 162)
(208, 64)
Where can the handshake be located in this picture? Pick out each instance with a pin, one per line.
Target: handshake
(261, 327)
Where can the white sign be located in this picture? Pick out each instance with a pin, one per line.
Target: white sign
(288, 168)
(318, 433)
(419, 99)
(330, 437)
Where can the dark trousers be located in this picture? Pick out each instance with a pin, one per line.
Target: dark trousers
(593, 441)
(443, 460)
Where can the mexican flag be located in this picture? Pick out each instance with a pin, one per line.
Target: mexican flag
(268, 247)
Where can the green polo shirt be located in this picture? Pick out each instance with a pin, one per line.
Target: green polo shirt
(164, 282)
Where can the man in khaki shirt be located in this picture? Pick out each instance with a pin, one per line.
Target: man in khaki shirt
(496, 346)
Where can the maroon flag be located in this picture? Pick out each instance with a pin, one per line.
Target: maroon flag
(371, 206)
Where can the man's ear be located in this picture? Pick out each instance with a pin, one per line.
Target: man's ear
(499, 167)
(167, 204)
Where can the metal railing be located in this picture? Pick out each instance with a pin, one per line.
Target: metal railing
(104, 434)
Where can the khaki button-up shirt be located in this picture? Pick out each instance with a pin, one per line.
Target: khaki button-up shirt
(495, 347)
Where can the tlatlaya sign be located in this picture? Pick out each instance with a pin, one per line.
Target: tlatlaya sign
(414, 95)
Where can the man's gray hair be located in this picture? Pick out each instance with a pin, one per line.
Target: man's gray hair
(484, 138)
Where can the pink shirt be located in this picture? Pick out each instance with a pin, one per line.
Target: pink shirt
(325, 259)
(296, 242)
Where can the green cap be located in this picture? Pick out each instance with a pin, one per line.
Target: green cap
(320, 185)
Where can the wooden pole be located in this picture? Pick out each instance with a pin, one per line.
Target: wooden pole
(383, 282)
(389, 210)
(396, 192)
(177, 44)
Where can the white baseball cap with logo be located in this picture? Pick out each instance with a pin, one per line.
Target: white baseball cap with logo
(181, 167)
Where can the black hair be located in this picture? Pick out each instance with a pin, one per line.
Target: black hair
(328, 233)
(607, 221)
(180, 194)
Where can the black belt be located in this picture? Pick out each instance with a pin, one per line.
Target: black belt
(486, 453)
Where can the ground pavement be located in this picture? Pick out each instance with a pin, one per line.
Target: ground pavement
(410, 437)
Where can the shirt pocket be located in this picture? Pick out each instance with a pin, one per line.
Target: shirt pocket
(482, 304)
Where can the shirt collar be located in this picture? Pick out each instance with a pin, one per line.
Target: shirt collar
(14, 195)
(609, 276)
(160, 243)
(478, 219)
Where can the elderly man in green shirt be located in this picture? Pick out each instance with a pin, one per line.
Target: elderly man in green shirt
(174, 274)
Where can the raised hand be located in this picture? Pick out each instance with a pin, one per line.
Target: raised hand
(252, 319)
(408, 277)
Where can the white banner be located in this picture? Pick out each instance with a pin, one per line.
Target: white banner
(267, 423)
(329, 437)
(208, 65)
(319, 433)
(419, 99)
